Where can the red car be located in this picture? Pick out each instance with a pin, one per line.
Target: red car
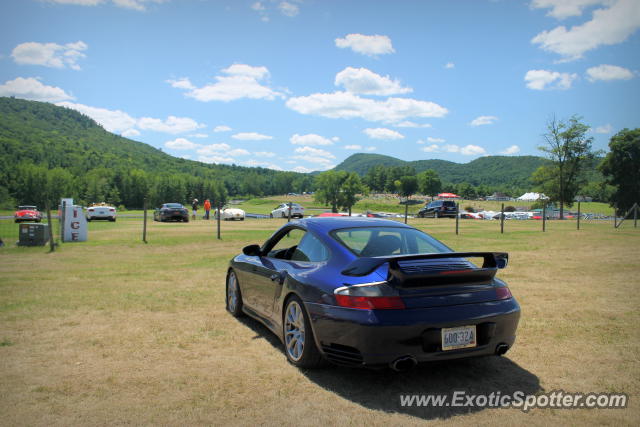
(27, 213)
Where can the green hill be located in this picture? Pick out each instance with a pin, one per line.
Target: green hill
(47, 151)
(490, 170)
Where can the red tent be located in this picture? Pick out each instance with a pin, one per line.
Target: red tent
(448, 196)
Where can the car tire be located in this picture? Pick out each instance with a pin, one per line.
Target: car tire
(233, 295)
(435, 215)
(299, 343)
(186, 220)
(88, 219)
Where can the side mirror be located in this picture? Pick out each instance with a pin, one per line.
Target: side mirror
(251, 250)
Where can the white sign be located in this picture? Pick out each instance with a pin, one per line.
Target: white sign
(75, 224)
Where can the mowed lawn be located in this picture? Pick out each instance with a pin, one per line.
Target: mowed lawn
(115, 331)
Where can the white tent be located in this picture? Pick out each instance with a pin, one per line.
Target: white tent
(532, 197)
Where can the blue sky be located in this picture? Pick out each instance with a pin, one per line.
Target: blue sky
(301, 85)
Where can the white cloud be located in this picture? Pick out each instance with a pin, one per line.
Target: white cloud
(238, 152)
(483, 120)
(213, 149)
(216, 159)
(353, 147)
(118, 121)
(562, 9)
(410, 124)
(115, 121)
(257, 6)
(139, 5)
(544, 79)
(50, 54)
(605, 129)
(433, 148)
(32, 88)
(366, 45)
(467, 150)
(382, 133)
(608, 72)
(130, 133)
(346, 105)
(240, 81)
(514, 149)
(250, 136)
(181, 144)
(309, 139)
(449, 65)
(181, 83)
(288, 9)
(318, 160)
(436, 140)
(608, 26)
(222, 128)
(199, 135)
(365, 82)
(172, 124)
(302, 169)
(314, 152)
(371, 148)
(264, 154)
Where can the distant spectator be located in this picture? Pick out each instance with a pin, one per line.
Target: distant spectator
(207, 208)
(194, 206)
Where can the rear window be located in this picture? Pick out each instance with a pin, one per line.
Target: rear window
(173, 205)
(449, 204)
(386, 241)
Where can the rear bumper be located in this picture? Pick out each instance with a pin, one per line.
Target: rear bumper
(378, 337)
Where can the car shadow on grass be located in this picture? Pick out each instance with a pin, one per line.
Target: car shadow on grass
(382, 389)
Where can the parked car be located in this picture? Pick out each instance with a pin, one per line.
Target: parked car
(171, 212)
(282, 211)
(372, 292)
(229, 213)
(27, 213)
(101, 211)
(439, 209)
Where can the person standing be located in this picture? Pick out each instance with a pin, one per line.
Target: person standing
(207, 208)
(194, 207)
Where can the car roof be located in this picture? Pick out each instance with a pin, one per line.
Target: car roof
(328, 224)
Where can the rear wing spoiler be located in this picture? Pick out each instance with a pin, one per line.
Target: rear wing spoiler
(492, 262)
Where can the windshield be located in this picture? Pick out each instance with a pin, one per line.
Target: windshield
(26, 208)
(385, 241)
(173, 205)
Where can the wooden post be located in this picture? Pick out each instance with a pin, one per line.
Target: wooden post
(52, 245)
(406, 211)
(502, 219)
(457, 217)
(289, 216)
(61, 221)
(544, 217)
(635, 216)
(219, 218)
(615, 218)
(144, 220)
(578, 216)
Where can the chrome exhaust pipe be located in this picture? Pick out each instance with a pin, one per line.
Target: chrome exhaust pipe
(501, 349)
(403, 364)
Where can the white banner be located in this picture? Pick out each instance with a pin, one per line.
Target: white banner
(75, 224)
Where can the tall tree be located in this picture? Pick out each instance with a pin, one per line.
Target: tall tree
(351, 187)
(408, 186)
(429, 183)
(621, 168)
(569, 150)
(329, 188)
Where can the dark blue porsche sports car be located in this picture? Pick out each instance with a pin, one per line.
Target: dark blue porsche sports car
(372, 292)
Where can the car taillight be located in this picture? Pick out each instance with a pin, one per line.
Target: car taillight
(90, 209)
(112, 210)
(369, 296)
(503, 292)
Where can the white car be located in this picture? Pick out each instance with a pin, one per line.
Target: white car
(230, 214)
(101, 211)
(282, 211)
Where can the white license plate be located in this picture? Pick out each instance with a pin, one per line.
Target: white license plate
(460, 337)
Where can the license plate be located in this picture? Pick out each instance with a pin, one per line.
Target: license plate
(460, 337)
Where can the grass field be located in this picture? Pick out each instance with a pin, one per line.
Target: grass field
(115, 331)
